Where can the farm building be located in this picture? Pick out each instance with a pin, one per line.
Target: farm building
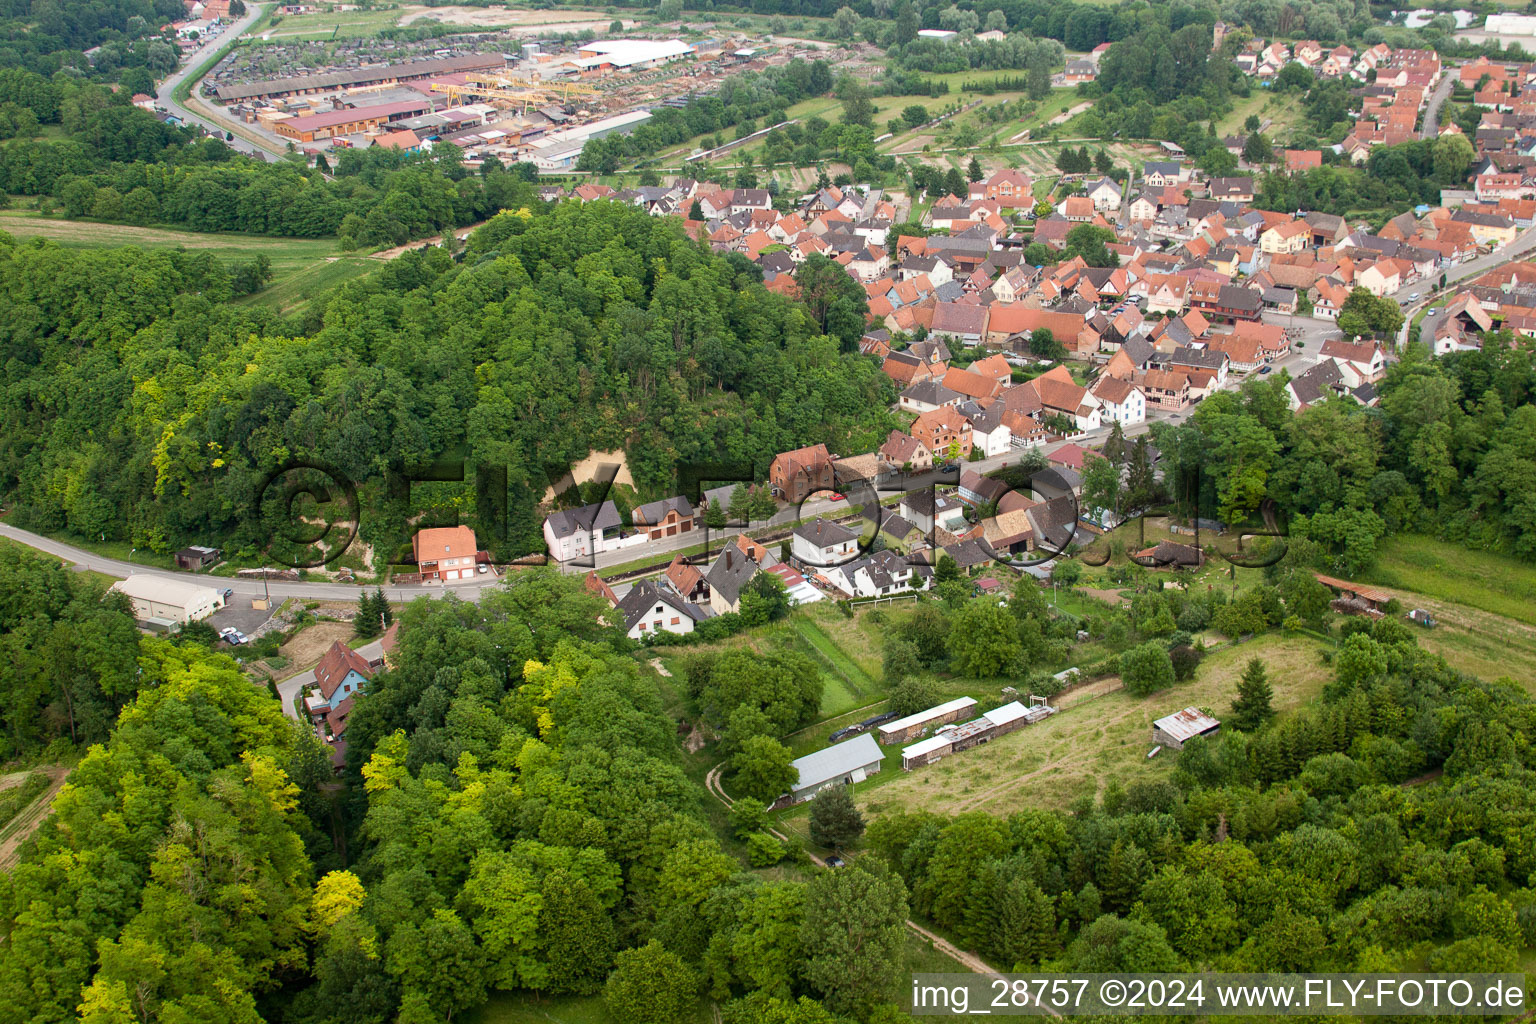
(926, 751)
(951, 739)
(840, 764)
(160, 603)
(1355, 599)
(913, 726)
(1176, 730)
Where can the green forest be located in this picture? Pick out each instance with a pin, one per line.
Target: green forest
(144, 407)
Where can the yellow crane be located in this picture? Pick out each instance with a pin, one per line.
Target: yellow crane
(512, 91)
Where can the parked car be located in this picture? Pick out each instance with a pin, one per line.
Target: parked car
(839, 497)
(1264, 369)
(1414, 297)
(482, 568)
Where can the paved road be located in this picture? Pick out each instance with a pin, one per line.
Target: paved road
(1436, 101)
(164, 96)
(308, 590)
(1513, 252)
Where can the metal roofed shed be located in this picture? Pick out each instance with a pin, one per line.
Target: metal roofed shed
(912, 726)
(843, 763)
(926, 751)
(1178, 729)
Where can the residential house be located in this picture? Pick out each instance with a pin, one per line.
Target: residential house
(649, 609)
(1232, 190)
(881, 574)
(1106, 195)
(977, 490)
(989, 433)
(665, 518)
(1164, 389)
(1364, 359)
(1122, 402)
(1297, 160)
(1190, 360)
(793, 475)
(447, 553)
(903, 453)
(928, 395)
(1289, 237)
(1011, 188)
(730, 573)
(342, 672)
(962, 322)
(574, 532)
(944, 432)
(1160, 173)
(687, 580)
(822, 542)
(1063, 396)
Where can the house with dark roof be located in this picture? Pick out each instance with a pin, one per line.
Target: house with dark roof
(665, 518)
(732, 570)
(928, 395)
(822, 542)
(649, 609)
(882, 574)
(572, 532)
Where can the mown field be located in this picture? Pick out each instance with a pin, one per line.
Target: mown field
(302, 268)
(1102, 733)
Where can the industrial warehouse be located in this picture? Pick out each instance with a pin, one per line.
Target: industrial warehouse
(538, 101)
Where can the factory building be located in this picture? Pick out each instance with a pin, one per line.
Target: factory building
(384, 74)
(351, 121)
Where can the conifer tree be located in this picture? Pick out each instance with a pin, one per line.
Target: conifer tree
(1252, 707)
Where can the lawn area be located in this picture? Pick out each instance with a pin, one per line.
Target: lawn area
(1101, 733)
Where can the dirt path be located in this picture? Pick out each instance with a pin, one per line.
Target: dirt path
(20, 828)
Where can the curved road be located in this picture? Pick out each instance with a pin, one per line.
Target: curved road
(165, 98)
(305, 590)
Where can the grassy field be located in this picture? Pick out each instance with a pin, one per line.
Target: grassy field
(301, 267)
(1479, 579)
(1101, 733)
(331, 24)
(1283, 112)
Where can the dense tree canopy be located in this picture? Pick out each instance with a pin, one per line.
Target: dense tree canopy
(150, 413)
